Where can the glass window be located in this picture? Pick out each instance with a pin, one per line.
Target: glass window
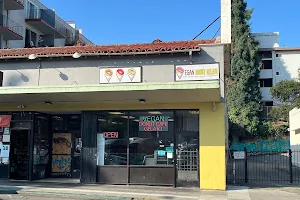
(265, 54)
(112, 138)
(268, 82)
(266, 64)
(151, 138)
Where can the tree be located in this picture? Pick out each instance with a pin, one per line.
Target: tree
(243, 93)
(288, 93)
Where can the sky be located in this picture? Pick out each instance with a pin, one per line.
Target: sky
(139, 21)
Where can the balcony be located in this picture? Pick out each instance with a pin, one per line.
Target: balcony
(265, 112)
(13, 4)
(10, 29)
(44, 20)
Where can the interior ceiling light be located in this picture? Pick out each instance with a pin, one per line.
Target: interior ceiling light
(154, 112)
(116, 113)
(48, 103)
(76, 55)
(32, 56)
(126, 117)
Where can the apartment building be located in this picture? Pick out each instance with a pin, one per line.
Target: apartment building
(29, 23)
(277, 64)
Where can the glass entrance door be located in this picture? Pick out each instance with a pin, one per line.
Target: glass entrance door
(187, 148)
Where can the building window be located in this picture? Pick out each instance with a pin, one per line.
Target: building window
(146, 138)
(265, 54)
(266, 64)
(267, 103)
(151, 144)
(30, 39)
(268, 82)
(32, 11)
(112, 138)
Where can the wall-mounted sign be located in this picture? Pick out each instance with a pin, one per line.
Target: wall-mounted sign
(120, 75)
(239, 155)
(198, 72)
(5, 120)
(153, 123)
(6, 138)
(110, 134)
(6, 131)
(4, 152)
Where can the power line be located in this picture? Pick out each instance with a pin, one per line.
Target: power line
(216, 32)
(207, 27)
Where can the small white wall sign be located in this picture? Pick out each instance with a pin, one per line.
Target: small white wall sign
(239, 155)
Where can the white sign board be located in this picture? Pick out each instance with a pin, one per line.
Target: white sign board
(200, 72)
(6, 131)
(120, 75)
(6, 138)
(239, 155)
(4, 151)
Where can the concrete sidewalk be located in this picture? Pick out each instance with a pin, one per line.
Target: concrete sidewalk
(145, 192)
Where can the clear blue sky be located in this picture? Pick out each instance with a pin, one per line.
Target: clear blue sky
(135, 21)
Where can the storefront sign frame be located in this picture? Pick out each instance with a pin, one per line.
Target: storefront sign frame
(199, 72)
(115, 75)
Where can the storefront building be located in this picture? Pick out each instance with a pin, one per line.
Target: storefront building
(148, 114)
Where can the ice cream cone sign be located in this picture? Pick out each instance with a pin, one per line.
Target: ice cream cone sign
(120, 74)
(108, 74)
(131, 73)
(179, 72)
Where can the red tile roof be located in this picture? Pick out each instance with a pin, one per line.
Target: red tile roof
(156, 46)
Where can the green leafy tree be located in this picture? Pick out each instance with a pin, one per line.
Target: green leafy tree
(288, 93)
(243, 93)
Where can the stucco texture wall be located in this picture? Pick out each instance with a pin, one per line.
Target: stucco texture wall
(294, 117)
(65, 72)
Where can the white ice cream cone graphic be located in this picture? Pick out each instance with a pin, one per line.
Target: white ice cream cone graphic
(120, 74)
(131, 73)
(179, 72)
(108, 74)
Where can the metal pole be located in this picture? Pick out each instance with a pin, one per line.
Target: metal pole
(233, 168)
(246, 165)
(291, 166)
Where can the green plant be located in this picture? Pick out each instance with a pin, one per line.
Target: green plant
(243, 93)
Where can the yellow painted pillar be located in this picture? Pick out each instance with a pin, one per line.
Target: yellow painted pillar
(212, 147)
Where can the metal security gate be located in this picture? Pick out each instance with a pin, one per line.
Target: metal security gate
(264, 167)
(187, 168)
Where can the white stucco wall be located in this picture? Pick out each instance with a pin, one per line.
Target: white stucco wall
(267, 40)
(81, 72)
(287, 64)
(294, 117)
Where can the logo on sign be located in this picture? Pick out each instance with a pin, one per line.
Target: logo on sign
(111, 135)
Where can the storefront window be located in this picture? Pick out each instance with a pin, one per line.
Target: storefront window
(151, 138)
(112, 138)
(145, 138)
(187, 129)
